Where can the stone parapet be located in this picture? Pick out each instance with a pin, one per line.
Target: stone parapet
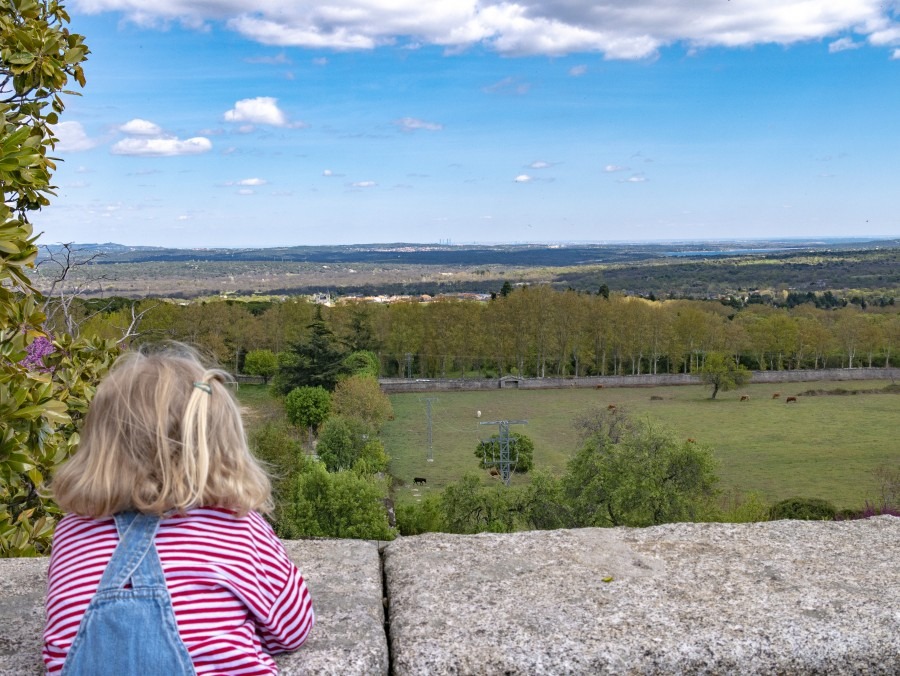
(784, 597)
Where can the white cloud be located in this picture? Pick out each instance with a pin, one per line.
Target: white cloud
(577, 71)
(413, 124)
(252, 181)
(72, 137)
(610, 168)
(895, 55)
(616, 29)
(261, 110)
(637, 178)
(843, 45)
(162, 147)
(320, 61)
(523, 178)
(277, 60)
(139, 127)
(507, 85)
(328, 172)
(246, 191)
(540, 164)
(363, 184)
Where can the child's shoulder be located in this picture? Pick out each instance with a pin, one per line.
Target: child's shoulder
(219, 520)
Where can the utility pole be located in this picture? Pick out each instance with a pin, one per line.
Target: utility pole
(430, 456)
(504, 462)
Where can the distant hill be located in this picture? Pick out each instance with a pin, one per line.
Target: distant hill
(552, 255)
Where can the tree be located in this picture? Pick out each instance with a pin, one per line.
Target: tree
(341, 441)
(361, 397)
(261, 363)
(646, 478)
(362, 363)
(43, 397)
(307, 407)
(521, 450)
(338, 505)
(318, 361)
(720, 372)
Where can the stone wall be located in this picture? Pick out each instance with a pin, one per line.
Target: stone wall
(400, 385)
(785, 597)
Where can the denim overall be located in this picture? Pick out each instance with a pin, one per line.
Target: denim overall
(130, 632)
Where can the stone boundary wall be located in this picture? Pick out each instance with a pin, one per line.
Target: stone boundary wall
(797, 598)
(401, 385)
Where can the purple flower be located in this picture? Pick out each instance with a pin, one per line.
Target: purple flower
(36, 351)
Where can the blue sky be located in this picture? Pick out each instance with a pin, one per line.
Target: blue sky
(223, 123)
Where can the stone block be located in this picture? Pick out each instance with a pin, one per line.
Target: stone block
(786, 597)
(344, 577)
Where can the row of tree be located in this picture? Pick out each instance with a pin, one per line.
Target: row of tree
(531, 331)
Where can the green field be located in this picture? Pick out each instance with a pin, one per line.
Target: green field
(822, 446)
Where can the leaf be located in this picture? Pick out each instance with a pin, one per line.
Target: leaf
(21, 58)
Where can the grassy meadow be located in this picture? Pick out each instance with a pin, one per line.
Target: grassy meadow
(823, 446)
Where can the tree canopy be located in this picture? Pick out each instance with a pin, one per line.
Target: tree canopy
(521, 451)
(319, 361)
(46, 381)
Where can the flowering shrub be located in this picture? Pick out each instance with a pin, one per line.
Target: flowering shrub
(39, 348)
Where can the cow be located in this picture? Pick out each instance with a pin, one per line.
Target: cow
(419, 481)
(599, 387)
(745, 397)
(477, 414)
(790, 399)
(611, 407)
(692, 441)
(495, 473)
(776, 395)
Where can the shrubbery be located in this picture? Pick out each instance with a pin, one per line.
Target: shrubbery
(806, 509)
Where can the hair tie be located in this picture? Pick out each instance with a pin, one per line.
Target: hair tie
(206, 387)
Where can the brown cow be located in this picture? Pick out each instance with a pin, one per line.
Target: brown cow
(692, 441)
(599, 387)
(790, 399)
(611, 407)
(495, 473)
(745, 397)
(776, 395)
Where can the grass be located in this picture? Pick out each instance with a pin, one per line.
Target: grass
(824, 446)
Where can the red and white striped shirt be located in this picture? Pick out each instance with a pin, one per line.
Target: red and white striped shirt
(237, 596)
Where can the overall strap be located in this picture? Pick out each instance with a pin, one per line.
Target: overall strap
(135, 556)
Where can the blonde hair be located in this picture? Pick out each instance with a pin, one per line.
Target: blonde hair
(163, 433)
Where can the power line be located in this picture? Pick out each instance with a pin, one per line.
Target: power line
(430, 455)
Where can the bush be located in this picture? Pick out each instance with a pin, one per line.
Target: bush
(423, 517)
(521, 448)
(803, 509)
(307, 406)
(320, 503)
(280, 452)
(341, 441)
(750, 509)
(361, 397)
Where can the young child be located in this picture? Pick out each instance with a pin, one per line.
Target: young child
(163, 564)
